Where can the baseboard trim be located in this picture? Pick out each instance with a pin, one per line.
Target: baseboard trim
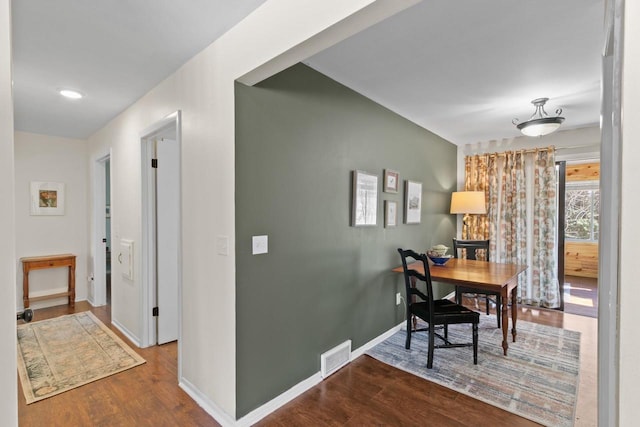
(279, 401)
(377, 340)
(295, 391)
(131, 337)
(205, 403)
(274, 404)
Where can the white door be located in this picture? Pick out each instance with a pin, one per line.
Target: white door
(167, 241)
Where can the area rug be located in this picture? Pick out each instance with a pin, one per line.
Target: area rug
(538, 379)
(59, 354)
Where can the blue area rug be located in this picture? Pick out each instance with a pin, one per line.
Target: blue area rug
(538, 379)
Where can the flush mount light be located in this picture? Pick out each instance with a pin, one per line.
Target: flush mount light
(540, 123)
(71, 94)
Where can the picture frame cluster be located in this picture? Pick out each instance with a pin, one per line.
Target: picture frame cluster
(364, 203)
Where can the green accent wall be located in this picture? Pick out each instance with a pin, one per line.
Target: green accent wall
(299, 135)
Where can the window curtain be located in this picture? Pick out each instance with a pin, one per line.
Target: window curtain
(520, 191)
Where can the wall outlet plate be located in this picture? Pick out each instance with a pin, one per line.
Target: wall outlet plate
(398, 298)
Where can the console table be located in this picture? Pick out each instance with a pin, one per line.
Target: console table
(49, 261)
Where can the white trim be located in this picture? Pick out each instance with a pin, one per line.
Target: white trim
(277, 402)
(207, 404)
(147, 278)
(127, 333)
(377, 340)
(147, 268)
(295, 391)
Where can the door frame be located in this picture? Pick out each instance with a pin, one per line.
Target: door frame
(148, 237)
(560, 224)
(99, 280)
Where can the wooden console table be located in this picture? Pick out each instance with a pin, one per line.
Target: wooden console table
(49, 261)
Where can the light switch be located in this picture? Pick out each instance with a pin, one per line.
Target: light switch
(222, 243)
(260, 244)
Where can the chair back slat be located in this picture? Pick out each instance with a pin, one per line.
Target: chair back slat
(409, 273)
(474, 249)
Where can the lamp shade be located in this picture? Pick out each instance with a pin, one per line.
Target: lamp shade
(468, 202)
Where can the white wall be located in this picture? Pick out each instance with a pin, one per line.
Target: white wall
(8, 369)
(277, 35)
(629, 293)
(51, 159)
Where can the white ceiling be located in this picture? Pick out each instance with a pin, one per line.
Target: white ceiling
(462, 69)
(465, 68)
(112, 51)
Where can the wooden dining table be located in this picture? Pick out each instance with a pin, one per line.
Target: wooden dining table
(480, 275)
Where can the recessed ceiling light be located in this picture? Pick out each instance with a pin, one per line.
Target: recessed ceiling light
(72, 94)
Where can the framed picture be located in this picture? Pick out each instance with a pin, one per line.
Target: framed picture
(47, 198)
(390, 213)
(364, 199)
(391, 181)
(413, 202)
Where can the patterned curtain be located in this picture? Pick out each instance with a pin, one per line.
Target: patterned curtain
(513, 214)
(545, 286)
(503, 178)
(477, 179)
(492, 207)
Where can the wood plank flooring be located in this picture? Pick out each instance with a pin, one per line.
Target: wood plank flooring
(581, 296)
(365, 392)
(147, 395)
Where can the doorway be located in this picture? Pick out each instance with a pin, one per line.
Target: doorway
(579, 211)
(100, 291)
(107, 226)
(160, 248)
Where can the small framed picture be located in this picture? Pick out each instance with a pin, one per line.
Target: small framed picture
(390, 213)
(47, 198)
(364, 206)
(413, 202)
(391, 180)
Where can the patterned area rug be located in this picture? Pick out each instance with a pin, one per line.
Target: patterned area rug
(538, 379)
(59, 354)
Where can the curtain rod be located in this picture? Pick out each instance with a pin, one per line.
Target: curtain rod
(521, 151)
(534, 150)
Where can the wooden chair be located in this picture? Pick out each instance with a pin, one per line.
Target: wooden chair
(434, 312)
(471, 247)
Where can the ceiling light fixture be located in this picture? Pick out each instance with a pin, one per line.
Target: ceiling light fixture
(540, 123)
(72, 94)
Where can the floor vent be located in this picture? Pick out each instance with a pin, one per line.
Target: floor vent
(335, 358)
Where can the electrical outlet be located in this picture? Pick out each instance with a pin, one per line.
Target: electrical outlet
(398, 298)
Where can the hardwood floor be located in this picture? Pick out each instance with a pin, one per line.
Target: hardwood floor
(147, 395)
(365, 392)
(368, 392)
(581, 296)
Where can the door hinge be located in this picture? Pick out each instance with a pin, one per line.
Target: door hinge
(154, 163)
(155, 311)
(104, 240)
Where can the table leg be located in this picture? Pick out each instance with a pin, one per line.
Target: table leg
(505, 320)
(72, 286)
(514, 312)
(25, 286)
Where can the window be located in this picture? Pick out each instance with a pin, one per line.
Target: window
(582, 211)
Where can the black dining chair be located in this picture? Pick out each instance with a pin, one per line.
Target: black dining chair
(433, 311)
(476, 249)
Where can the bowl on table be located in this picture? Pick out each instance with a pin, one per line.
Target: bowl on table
(438, 250)
(438, 260)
